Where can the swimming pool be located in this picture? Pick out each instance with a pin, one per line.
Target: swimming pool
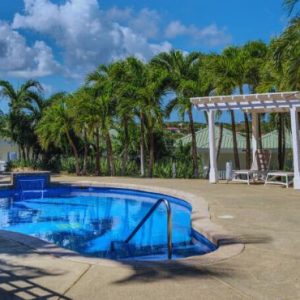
(96, 221)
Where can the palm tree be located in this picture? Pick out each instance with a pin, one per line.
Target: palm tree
(95, 81)
(236, 67)
(225, 83)
(154, 89)
(275, 78)
(273, 75)
(27, 92)
(82, 108)
(184, 74)
(125, 106)
(22, 101)
(56, 124)
(34, 113)
(287, 53)
(256, 54)
(238, 63)
(281, 121)
(136, 80)
(290, 5)
(105, 107)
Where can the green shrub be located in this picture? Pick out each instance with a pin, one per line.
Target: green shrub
(132, 169)
(162, 169)
(184, 169)
(68, 164)
(21, 164)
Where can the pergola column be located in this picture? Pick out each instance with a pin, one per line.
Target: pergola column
(213, 171)
(255, 135)
(296, 146)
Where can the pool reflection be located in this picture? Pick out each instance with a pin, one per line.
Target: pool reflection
(90, 222)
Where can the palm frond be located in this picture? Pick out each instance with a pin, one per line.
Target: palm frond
(290, 5)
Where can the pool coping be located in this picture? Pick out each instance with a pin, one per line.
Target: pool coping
(228, 245)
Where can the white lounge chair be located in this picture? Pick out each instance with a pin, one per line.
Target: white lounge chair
(258, 171)
(273, 176)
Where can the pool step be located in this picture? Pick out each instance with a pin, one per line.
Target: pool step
(121, 249)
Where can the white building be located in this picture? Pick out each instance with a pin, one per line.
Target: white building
(269, 141)
(8, 150)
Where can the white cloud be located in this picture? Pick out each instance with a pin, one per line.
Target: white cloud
(119, 15)
(144, 22)
(89, 36)
(175, 29)
(21, 60)
(86, 36)
(209, 36)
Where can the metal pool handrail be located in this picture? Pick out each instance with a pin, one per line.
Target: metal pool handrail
(147, 216)
(23, 190)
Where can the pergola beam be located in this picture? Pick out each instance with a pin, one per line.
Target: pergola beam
(254, 105)
(285, 96)
(267, 110)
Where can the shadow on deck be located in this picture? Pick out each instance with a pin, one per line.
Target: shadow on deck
(184, 269)
(18, 282)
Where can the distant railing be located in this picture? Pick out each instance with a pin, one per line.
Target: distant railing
(222, 174)
(32, 186)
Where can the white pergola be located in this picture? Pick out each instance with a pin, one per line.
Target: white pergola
(254, 104)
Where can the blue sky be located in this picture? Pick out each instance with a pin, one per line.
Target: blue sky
(58, 41)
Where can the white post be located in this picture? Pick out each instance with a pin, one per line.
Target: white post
(213, 172)
(255, 136)
(296, 146)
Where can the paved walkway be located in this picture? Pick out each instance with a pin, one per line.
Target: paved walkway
(266, 219)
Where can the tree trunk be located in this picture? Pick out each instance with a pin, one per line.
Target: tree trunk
(75, 152)
(23, 153)
(283, 147)
(142, 146)
(279, 128)
(37, 154)
(220, 141)
(97, 154)
(32, 155)
(126, 146)
(151, 155)
(248, 143)
(194, 144)
(259, 132)
(27, 153)
(110, 158)
(85, 154)
(247, 129)
(234, 140)
(20, 152)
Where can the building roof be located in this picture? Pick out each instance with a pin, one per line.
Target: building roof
(203, 143)
(269, 140)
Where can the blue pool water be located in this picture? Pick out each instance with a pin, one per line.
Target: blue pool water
(96, 221)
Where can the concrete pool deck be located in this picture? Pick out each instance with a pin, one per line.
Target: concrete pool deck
(265, 218)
